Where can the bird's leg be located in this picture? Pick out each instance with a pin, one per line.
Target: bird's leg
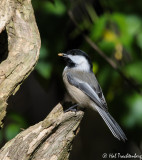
(72, 108)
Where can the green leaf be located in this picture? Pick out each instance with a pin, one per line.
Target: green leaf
(134, 117)
(11, 131)
(43, 52)
(134, 24)
(107, 46)
(134, 70)
(18, 119)
(57, 8)
(44, 69)
(103, 75)
(95, 67)
(98, 28)
(139, 40)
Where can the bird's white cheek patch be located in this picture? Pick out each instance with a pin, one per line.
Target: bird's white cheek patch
(81, 63)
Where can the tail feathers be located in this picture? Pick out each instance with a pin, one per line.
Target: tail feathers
(112, 124)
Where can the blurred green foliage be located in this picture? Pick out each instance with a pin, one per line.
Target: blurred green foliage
(115, 31)
(13, 125)
(44, 68)
(134, 116)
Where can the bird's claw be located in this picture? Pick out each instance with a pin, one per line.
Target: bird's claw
(72, 108)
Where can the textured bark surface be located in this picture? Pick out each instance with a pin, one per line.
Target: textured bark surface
(50, 139)
(19, 47)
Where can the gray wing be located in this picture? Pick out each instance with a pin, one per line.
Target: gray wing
(101, 104)
(89, 86)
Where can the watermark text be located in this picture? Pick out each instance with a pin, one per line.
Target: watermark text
(121, 156)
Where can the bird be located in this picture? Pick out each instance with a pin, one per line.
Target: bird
(84, 89)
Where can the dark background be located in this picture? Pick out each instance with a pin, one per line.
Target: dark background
(116, 28)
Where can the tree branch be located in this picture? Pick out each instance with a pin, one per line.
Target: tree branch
(50, 139)
(21, 42)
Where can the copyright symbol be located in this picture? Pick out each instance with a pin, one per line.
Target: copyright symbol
(104, 155)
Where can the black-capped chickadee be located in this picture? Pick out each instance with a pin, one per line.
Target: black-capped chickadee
(84, 89)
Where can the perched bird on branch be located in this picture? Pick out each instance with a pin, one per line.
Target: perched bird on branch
(84, 89)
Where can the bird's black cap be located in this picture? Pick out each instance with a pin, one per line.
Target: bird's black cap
(80, 53)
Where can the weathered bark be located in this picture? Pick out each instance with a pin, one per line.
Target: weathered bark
(19, 47)
(50, 139)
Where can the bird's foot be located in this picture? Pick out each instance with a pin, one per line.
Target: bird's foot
(72, 108)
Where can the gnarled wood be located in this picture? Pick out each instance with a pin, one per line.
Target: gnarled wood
(50, 139)
(19, 47)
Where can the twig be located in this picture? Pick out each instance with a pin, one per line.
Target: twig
(103, 55)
